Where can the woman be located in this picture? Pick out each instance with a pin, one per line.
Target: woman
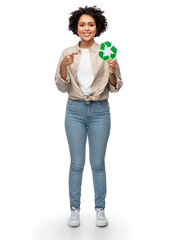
(88, 80)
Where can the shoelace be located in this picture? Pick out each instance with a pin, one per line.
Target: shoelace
(75, 213)
(100, 212)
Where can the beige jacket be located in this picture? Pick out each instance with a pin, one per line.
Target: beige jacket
(100, 87)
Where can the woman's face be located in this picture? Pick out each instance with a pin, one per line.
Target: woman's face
(86, 27)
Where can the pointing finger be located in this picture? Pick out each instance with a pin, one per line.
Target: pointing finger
(73, 53)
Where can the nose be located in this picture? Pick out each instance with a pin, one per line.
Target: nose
(86, 27)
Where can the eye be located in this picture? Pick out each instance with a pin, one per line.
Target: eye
(91, 25)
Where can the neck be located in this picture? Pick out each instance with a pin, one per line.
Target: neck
(86, 44)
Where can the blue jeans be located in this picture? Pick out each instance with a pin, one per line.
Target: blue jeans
(93, 120)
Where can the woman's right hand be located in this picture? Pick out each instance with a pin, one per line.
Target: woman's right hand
(69, 59)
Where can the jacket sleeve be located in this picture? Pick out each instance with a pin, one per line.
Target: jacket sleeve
(61, 84)
(119, 83)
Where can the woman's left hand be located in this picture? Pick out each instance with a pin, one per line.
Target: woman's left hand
(113, 65)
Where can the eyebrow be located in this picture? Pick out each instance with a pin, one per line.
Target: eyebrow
(88, 22)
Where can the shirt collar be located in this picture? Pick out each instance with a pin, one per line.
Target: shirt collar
(93, 48)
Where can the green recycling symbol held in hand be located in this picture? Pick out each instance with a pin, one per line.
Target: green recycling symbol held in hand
(107, 51)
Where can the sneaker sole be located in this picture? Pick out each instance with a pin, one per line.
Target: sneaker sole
(101, 224)
(75, 224)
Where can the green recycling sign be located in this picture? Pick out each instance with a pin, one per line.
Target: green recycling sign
(107, 51)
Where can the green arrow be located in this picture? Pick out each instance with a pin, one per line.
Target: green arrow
(102, 46)
(108, 44)
(105, 58)
(112, 55)
(113, 49)
(101, 54)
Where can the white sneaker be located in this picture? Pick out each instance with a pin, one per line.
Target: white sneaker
(74, 220)
(101, 220)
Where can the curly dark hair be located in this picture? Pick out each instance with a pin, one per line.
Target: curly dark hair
(95, 12)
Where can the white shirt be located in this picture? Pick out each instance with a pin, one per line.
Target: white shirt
(84, 73)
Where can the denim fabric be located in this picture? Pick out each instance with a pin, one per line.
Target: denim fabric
(90, 120)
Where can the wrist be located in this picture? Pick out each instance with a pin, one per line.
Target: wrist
(63, 65)
(112, 79)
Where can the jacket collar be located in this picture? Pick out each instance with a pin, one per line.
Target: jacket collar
(93, 48)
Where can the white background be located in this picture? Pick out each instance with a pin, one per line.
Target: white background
(34, 155)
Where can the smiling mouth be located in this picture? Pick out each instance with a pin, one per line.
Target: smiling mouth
(86, 34)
